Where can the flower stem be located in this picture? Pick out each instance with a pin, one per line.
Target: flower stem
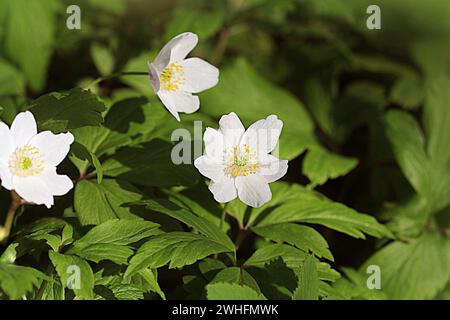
(115, 75)
(16, 202)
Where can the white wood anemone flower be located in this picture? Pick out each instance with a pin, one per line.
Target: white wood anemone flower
(28, 160)
(175, 78)
(239, 162)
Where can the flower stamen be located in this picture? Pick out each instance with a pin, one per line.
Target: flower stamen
(26, 161)
(172, 77)
(242, 161)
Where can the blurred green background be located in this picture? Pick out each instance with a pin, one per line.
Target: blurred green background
(314, 63)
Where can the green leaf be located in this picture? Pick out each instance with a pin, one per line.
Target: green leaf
(67, 266)
(103, 59)
(81, 157)
(64, 112)
(200, 224)
(437, 120)
(319, 101)
(96, 203)
(320, 165)
(176, 249)
(9, 255)
(408, 144)
(56, 232)
(241, 88)
(132, 164)
(204, 23)
(110, 240)
(150, 276)
(54, 290)
(415, 270)
(310, 207)
(302, 237)
(29, 37)
(11, 81)
(232, 291)
(238, 276)
(17, 281)
(354, 286)
(308, 282)
(275, 278)
(293, 258)
(408, 91)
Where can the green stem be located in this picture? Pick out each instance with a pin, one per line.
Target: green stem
(16, 202)
(115, 75)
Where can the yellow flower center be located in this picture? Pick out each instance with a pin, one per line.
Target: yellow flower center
(26, 162)
(242, 161)
(172, 77)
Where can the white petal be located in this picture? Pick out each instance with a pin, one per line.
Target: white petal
(58, 184)
(6, 144)
(23, 128)
(33, 189)
(154, 77)
(179, 101)
(200, 75)
(253, 190)
(224, 189)
(176, 50)
(213, 140)
(5, 177)
(272, 168)
(263, 135)
(232, 129)
(209, 168)
(54, 147)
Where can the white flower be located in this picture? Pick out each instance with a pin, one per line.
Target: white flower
(174, 78)
(28, 160)
(239, 162)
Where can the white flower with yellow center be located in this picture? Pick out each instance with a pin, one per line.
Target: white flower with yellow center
(28, 160)
(175, 78)
(239, 162)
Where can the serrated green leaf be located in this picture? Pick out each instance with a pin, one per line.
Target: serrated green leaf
(232, 291)
(176, 249)
(17, 281)
(320, 165)
(308, 282)
(293, 258)
(96, 203)
(310, 207)
(56, 232)
(238, 276)
(110, 240)
(64, 112)
(200, 224)
(67, 267)
(415, 270)
(132, 164)
(302, 237)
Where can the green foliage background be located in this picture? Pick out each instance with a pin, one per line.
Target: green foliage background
(366, 126)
